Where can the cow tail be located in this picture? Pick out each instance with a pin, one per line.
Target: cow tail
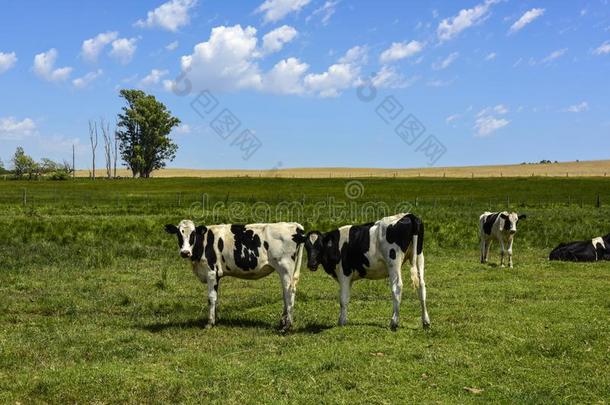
(414, 273)
(297, 265)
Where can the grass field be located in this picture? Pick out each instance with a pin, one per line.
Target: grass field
(96, 306)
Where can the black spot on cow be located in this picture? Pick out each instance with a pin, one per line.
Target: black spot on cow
(392, 254)
(353, 252)
(221, 244)
(489, 222)
(223, 258)
(266, 245)
(402, 232)
(196, 239)
(299, 236)
(247, 244)
(210, 253)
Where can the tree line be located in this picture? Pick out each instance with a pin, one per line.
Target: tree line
(140, 138)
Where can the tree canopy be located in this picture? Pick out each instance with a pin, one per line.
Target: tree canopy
(143, 132)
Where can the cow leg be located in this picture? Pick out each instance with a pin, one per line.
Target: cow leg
(395, 277)
(502, 250)
(487, 247)
(345, 285)
(216, 288)
(509, 250)
(289, 292)
(483, 250)
(212, 297)
(421, 291)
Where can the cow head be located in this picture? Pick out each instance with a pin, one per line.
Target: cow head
(510, 221)
(187, 233)
(315, 250)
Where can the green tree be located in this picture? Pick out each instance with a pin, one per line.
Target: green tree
(24, 164)
(143, 133)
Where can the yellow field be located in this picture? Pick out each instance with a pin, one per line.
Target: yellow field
(571, 169)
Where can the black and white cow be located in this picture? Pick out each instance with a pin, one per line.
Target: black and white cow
(583, 251)
(501, 226)
(372, 251)
(243, 251)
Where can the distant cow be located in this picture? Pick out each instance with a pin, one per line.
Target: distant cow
(583, 251)
(243, 251)
(372, 251)
(502, 227)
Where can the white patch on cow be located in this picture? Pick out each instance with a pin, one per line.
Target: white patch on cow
(313, 238)
(598, 241)
(186, 227)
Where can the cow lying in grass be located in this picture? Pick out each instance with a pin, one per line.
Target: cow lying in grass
(372, 251)
(583, 251)
(501, 226)
(243, 251)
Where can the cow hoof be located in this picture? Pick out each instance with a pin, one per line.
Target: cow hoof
(426, 325)
(393, 326)
(286, 328)
(209, 325)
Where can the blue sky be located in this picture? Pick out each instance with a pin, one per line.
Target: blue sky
(490, 81)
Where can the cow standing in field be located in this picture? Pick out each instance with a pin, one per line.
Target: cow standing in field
(583, 251)
(501, 226)
(243, 251)
(372, 251)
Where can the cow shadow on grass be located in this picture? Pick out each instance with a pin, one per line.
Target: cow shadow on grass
(232, 322)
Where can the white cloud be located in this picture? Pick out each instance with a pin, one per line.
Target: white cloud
(11, 129)
(400, 50)
(275, 10)
(444, 64)
(576, 108)
(331, 83)
(525, 19)
(172, 46)
(7, 61)
(487, 124)
(603, 49)
(326, 11)
(154, 77)
(82, 82)
(388, 77)
(449, 28)
(226, 61)
(357, 55)
(123, 49)
(92, 47)
(555, 55)
(273, 41)
(286, 77)
(491, 56)
(44, 67)
(169, 16)
(182, 129)
(452, 118)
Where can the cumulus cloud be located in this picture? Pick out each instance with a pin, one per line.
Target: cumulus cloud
(7, 61)
(491, 56)
(603, 49)
(389, 77)
(275, 40)
(525, 19)
(576, 108)
(154, 77)
(444, 64)
(449, 28)
(169, 16)
(182, 129)
(325, 12)
(44, 67)
(92, 47)
(12, 129)
(275, 10)
(286, 77)
(400, 50)
(82, 82)
(228, 61)
(123, 49)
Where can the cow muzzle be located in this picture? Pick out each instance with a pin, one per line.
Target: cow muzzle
(185, 254)
(312, 267)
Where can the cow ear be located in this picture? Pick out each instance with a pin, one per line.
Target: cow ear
(169, 228)
(200, 230)
(522, 216)
(503, 216)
